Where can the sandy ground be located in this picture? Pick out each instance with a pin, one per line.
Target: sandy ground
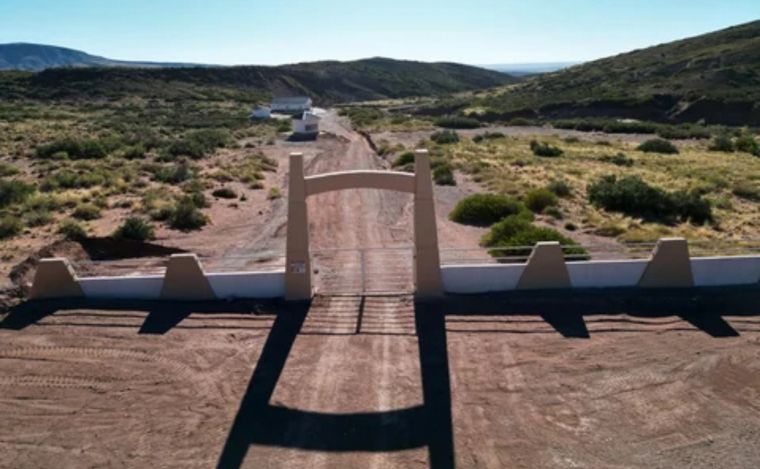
(590, 380)
(381, 382)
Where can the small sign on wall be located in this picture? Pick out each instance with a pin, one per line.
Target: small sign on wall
(297, 267)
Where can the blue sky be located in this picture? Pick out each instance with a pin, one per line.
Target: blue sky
(285, 31)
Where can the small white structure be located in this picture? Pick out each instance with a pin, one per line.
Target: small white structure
(292, 105)
(307, 125)
(261, 113)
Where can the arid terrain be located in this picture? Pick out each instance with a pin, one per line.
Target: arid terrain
(595, 380)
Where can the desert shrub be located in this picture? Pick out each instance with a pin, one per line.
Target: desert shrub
(85, 211)
(186, 216)
(403, 159)
(570, 226)
(544, 149)
(487, 136)
(632, 196)
(10, 226)
(444, 176)
(747, 190)
(748, 144)
(135, 228)
(619, 159)
(554, 212)
(457, 122)
(72, 148)
(174, 173)
(224, 193)
(186, 148)
(33, 218)
(560, 187)
(518, 232)
(198, 199)
(539, 199)
(8, 170)
(485, 209)
(722, 143)
(444, 137)
(67, 179)
(284, 125)
(658, 145)
(72, 230)
(13, 191)
(274, 193)
(134, 152)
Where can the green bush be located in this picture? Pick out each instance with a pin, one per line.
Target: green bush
(403, 159)
(722, 143)
(10, 226)
(8, 170)
(135, 228)
(457, 122)
(134, 152)
(186, 148)
(186, 216)
(620, 159)
(175, 173)
(632, 196)
(86, 211)
(445, 137)
(444, 176)
(224, 193)
(544, 149)
(72, 230)
(561, 188)
(539, 199)
(487, 136)
(72, 148)
(518, 232)
(658, 145)
(485, 209)
(67, 179)
(35, 218)
(14, 191)
(274, 193)
(748, 144)
(747, 190)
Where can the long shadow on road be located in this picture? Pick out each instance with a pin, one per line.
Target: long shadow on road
(259, 422)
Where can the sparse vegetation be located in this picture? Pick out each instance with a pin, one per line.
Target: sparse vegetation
(224, 193)
(632, 196)
(485, 209)
(445, 137)
(658, 145)
(10, 226)
(539, 199)
(135, 228)
(544, 149)
(72, 230)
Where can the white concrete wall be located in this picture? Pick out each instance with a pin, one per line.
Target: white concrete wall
(230, 285)
(225, 285)
(707, 271)
(480, 278)
(139, 287)
(717, 271)
(606, 274)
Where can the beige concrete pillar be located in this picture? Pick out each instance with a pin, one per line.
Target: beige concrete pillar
(669, 266)
(427, 261)
(185, 280)
(297, 261)
(546, 268)
(54, 278)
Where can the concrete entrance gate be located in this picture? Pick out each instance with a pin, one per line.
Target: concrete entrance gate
(427, 265)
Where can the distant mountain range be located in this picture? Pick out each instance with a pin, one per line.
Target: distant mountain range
(713, 78)
(523, 69)
(37, 57)
(77, 75)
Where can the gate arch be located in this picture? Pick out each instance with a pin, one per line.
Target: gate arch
(427, 264)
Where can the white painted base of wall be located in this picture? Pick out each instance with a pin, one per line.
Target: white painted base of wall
(707, 271)
(227, 285)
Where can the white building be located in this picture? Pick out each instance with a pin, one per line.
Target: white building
(261, 112)
(291, 105)
(306, 125)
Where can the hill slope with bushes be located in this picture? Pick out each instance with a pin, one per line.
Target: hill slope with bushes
(327, 82)
(714, 78)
